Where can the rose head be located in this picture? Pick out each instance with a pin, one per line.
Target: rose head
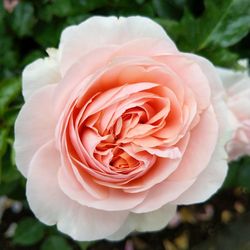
(237, 86)
(119, 127)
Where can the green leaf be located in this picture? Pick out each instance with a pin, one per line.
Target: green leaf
(169, 8)
(223, 23)
(170, 26)
(244, 174)
(48, 35)
(9, 172)
(88, 6)
(55, 242)
(3, 147)
(23, 19)
(6, 188)
(9, 90)
(231, 180)
(85, 245)
(29, 231)
(8, 53)
(221, 57)
(61, 8)
(233, 24)
(3, 141)
(238, 174)
(140, 1)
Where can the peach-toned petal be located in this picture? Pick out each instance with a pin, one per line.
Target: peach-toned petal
(33, 128)
(111, 96)
(185, 175)
(52, 206)
(151, 46)
(205, 131)
(208, 69)
(192, 75)
(159, 172)
(80, 74)
(214, 174)
(210, 180)
(162, 194)
(116, 200)
(165, 152)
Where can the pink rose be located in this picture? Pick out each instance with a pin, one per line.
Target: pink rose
(119, 127)
(237, 85)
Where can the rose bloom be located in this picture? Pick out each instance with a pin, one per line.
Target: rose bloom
(118, 128)
(237, 86)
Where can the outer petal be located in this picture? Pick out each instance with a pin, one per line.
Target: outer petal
(209, 181)
(145, 222)
(190, 168)
(209, 71)
(190, 71)
(231, 77)
(51, 205)
(34, 126)
(40, 73)
(97, 31)
(115, 200)
(213, 176)
(237, 87)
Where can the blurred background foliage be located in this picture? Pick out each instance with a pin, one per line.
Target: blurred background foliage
(218, 30)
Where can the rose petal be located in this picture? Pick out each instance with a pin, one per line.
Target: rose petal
(32, 127)
(75, 43)
(185, 175)
(210, 180)
(51, 205)
(145, 222)
(38, 74)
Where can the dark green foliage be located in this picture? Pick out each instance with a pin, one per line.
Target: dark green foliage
(56, 242)
(29, 231)
(239, 174)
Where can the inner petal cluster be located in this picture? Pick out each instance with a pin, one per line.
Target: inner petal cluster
(118, 133)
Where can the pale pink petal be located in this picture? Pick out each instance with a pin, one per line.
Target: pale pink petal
(116, 200)
(52, 206)
(208, 182)
(33, 128)
(151, 46)
(208, 69)
(185, 175)
(192, 75)
(162, 194)
(38, 74)
(79, 76)
(198, 153)
(213, 176)
(237, 88)
(233, 81)
(145, 222)
(165, 152)
(75, 43)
